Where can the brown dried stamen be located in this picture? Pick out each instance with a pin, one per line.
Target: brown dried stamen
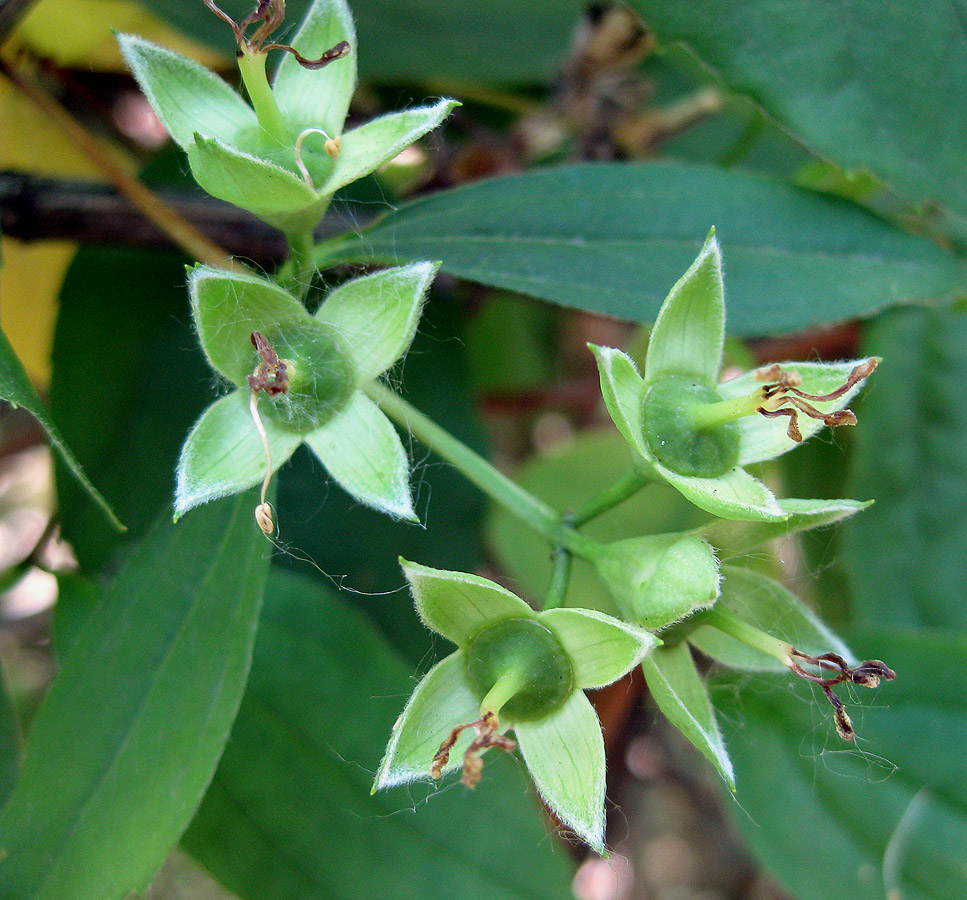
(486, 728)
(270, 14)
(866, 674)
(782, 397)
(271, 374)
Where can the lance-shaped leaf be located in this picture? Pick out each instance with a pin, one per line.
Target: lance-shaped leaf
(364, 454)
(689, 332)
(319, 98)
(187, 97)
(601, 648)
(565, 756)
(15, 388)
(274, 194)
(680, 693)
(377, 315)
(366, 148)
(767, 605)
(223, 454)
(457, 605)
(442, 700)
(159, 666)
(737, 538)
(623, 390)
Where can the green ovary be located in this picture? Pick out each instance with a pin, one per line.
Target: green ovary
(673, 436)
(320, 376)
(527, 656)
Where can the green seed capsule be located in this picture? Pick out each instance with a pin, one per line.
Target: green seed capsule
(527, 652)
(320, 376)
(673, 437)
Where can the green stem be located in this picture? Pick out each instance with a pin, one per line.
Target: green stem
(748, 634)
(476, 469)
(299, 277)
(621, 490)
(560, 579)
(252, 67)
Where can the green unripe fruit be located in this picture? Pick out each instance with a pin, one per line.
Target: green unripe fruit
(673, 437)
(525, 651)
(320, 376)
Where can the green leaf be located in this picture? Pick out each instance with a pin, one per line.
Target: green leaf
(601, 648)
(378, 315)
(366, 148)
(142, 708)
(893, 811)
(458, 605)
(847, 85)
(268, 191)
(738, 538)
(906, 554)
(612, 238)
(15, 387)
(659, 579)
(187, 97)
(565, 756)
(289, 812)
(734, 495)
(623, 390)
(680, 693)
(11, 742)
(442, 700)
(767, 605)
(364, 454)
(689, 332)
(319, 98)
(223, 454)
(228, 307)
(762, 438)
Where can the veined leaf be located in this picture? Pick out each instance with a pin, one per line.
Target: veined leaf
(15, 387)
(855, 82)
(127, 738)
(614, 238)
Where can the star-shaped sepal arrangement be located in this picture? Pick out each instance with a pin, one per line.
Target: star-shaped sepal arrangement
(301, 378)
(285, 155)
(697, 434)
(513, 670)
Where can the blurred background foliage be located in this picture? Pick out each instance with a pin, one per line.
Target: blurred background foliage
(593, 151)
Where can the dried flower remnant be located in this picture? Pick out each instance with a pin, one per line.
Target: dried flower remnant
(487, 735)
(867, 674)
(267, 16)
(783, 388)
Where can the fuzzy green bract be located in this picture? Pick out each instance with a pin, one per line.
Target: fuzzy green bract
(236, 158)
(549, 658)
(651, 410)
(363, 327)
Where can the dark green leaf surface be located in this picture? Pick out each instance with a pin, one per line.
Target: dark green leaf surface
(128, 383)
(614, 238)
(127, 739)
(907, 554)
(16, 388)
(491, 41)
(10, 741)
(887, 815)
(867, 83)
(290, 814)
